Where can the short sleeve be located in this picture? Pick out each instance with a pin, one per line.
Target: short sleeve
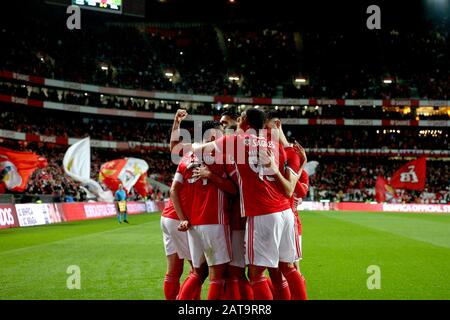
(293, 161)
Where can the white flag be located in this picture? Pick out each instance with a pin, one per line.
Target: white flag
(77, 165)
(310, 167)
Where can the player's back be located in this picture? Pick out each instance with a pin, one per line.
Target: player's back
(258, 190)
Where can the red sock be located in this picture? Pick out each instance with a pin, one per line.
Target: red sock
(216, 289)
(171, 287)
(261, 289)
(297, 285)
(232, 289)
(245, 289)
(282, 291)
(272, 288)
(190, 287)
(198, 296)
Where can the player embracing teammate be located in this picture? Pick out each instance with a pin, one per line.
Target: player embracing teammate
(251, 162)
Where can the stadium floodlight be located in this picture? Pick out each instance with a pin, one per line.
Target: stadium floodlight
(276, 107)
(181, 53)
(168, 74)
(300, 80)
(233, 78)
(387, 81)
(292, 107)
(104, 68)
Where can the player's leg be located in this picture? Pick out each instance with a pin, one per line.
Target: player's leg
(174, 262)
(288, 254)
(173, 275)
(193, 283)
(216, 243)
(262, 236)
(237, 286)
(217, 281)
(280, 285)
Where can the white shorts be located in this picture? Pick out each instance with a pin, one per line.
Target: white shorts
(238, 248)
(174, 241)
(210, 243)
(270, 238)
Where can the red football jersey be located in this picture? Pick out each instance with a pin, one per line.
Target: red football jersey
(182, 175)
(210, 204)
(237, 222)
(292, 160)
(258, 191)
(300, 191)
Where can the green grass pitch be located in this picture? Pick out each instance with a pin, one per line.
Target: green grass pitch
(128, 261)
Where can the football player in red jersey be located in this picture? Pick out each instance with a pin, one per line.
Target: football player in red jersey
(270, 222)
(175, 242)
(296, 160)
(237, 286)
(208, 222)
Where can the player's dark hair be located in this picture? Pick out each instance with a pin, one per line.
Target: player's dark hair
(255, 118)
(206, 125)
(272, 115)
(230, 114)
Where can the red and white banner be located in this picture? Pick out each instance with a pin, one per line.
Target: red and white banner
(91, 210)
(222, 99)
(411, 176)
(35, 214)
(420, 208)
(135, 207)
(374, 207)
(169, 116)
(8, 216)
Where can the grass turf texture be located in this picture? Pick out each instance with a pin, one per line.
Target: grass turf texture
(128, 261)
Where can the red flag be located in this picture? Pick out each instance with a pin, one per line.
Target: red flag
(17, 167)
(383, 191)
(142, 186)
(411, 176)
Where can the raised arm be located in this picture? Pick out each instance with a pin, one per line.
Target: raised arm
(180, 115)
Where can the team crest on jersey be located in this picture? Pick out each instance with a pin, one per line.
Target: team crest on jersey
(246, 141)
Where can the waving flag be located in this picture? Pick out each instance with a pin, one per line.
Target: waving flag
(411, 176)
(311, 167)
(125, 171)
(77, 165)
(383, 191)
(17, 167)
(142, 186)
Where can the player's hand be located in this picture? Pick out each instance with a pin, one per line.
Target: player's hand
(184, 226)
(180, 115)
(301, 152)
(267, 159)
(201, 172)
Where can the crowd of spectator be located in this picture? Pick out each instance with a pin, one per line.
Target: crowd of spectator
(150, 105)
(263, 61)
(76, 125)
(336, 178)
(353, 179)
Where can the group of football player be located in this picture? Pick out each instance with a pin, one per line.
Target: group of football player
(232, 212)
